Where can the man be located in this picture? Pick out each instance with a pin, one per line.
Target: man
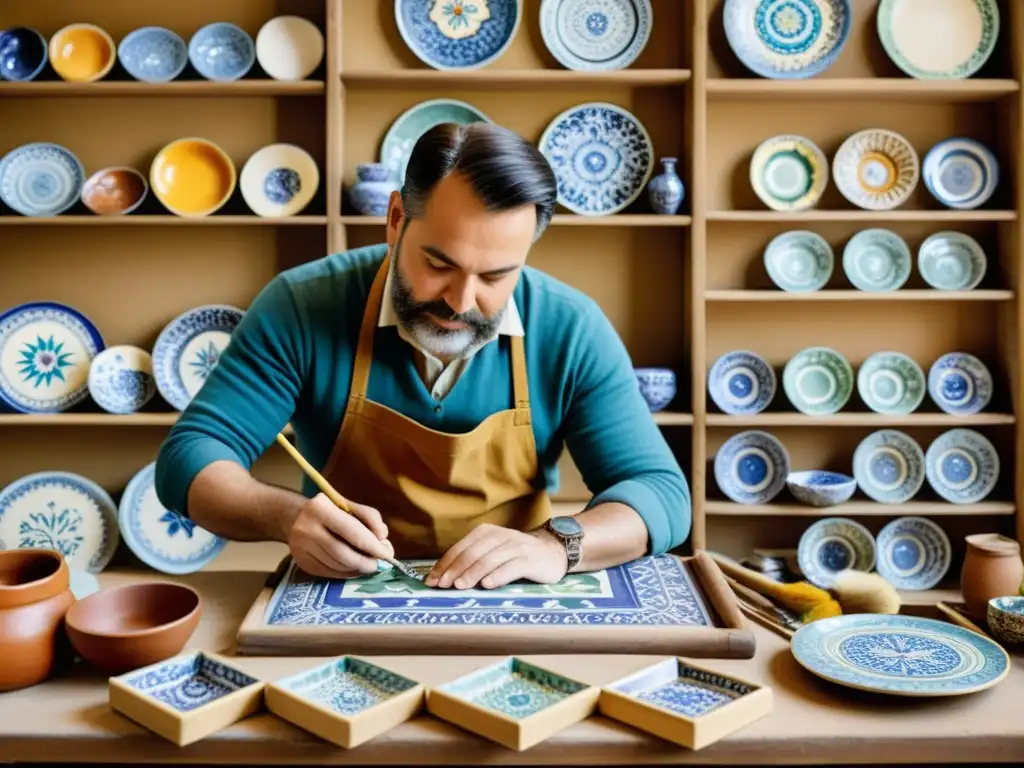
(433, 380)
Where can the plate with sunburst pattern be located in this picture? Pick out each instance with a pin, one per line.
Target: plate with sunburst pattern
(876, 169)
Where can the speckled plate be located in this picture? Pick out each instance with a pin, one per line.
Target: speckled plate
(876, 170)
(913, 553)
(960, 384)
(952, 261)
(832, 545)
(789, 173)
(799, 261)
(961, 173)
(962, 466)
(751, 467)
(596, 35)
(741, 382)
(877, 260)
(458, 34)
(891, 383)
(889, 466)
(41, 179)
(818, 380)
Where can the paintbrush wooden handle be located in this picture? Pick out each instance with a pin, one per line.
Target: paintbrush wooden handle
(959, 619)
(766, 620)
(321, 482)
(752, 579)
(751, 596)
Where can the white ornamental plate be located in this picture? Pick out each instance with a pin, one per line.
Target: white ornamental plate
(596, 35)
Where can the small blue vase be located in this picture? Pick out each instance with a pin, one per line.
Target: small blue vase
(371, 194)
(666, 191)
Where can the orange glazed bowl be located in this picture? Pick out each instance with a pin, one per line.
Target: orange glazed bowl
(82, 53)
(192, 177)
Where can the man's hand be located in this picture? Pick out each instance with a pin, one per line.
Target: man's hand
(329, 542)
(492, 556)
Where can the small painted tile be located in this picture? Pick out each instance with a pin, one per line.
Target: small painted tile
(190, 682)
(515, 688)
(348, 686)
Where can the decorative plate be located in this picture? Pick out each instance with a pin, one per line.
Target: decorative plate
(913, 553)
(799, 261)
(787, 39)
(602, 157)
(596, 35)
(188, 348)
(741, 382)
(876, 170)
(41, 179)
(788, 173)
(877, 260)
(63, 512)
(121, 379)
(952, 261)
(458, 34)
(751, 467)
(818, 380)
(960, 35)
(891, 383)
(832, 545)
(153, 54)
(961, 173)
(962, 466)
(960, 384)
(279, 180)
(889, 466)
(159, 537)
(45, 352)
(414, 122)
(222, 51)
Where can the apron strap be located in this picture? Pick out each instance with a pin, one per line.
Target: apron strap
(520, 383)
(364, 352)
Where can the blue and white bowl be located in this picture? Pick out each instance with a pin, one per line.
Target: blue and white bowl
(751, 467)
(153, 54)
(961, 173)
(222, 51)
(41, 179)
(458, 34)
(913, 553)
(960, 384)
(596, 35)
(832, 545)
(279, 180)
(962, 466)
(657, 385)
(23, 54)
(742, 383)
(820, 488)
(799, 261)
(889, 466)
(121, 379)
(1005, 618)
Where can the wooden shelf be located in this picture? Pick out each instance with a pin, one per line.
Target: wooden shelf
(845, 89)
(868, 420)
(546, 79)
(879, 217)
(190, 88)
(859, 509)
(566, 220)
(666, 419)
(852, 295)
(162, 220)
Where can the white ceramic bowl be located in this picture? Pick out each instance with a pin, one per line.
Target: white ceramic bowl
(279, 180)
(289, 47)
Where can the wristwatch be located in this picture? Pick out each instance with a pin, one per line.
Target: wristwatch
(568, 529)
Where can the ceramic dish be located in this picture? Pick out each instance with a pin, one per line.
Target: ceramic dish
(289, 47)
(877, 260)
(799, 261)
(832, 545)
(876, 170)
(889, 466)
(789, 173)
(819, 488)
(1005, 618)
(891, 383)
(414, 122)
(192, 177)
(121, 379)
(751, 467)
(153, 54)
(952, 261)
(23, 54)
(657, 386)
(818, 380)
(41, 179)
(602, 157)
(961, 173)
(962, 466)
(114, 191)
(222, 51)
(82, 53)
(596, 35)
(460, 34)
(741, 383)
(913, 553)
(960, 384)
(279, 180)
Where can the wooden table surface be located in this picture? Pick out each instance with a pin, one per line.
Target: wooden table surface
(812, 722)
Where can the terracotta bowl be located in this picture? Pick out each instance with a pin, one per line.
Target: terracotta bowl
(128, 627)
(114, 191)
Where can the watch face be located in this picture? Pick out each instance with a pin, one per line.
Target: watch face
(566, 526)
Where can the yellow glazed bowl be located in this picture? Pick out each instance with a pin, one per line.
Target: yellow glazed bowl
(192, 177)
(82, 53)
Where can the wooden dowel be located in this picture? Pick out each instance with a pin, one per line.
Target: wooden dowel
(722, 597)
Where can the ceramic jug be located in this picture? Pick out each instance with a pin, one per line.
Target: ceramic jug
(35, 594)
(992, 568)
(666, 190)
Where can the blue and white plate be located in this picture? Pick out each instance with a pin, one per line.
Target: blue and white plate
(799, 261)
(913, 553)
(46, 349)
(787, 39)
(596, 35)
(458, 34)
(159, 537)
(832, 545)
(877, 260)
(952, 261)
(960, 384)
(121, 379)
(63, 512)
(900, 655)
(962, 466)
(153, 54)
(889, 466)
(789, 173)
(407, 129)
(41, 179)
(961, 173)
(602, 157)
(188, 349)
(751, 467)
(741, 383)
(222, 51)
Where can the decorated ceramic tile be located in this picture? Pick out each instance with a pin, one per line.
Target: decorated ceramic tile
(602, 157)
(962, 466)
(952, 261)
(348, 685)
(596, 35)
(818, 380)
(41, 179)
(913, 553)
(61, 511)
(458, 34)
(513, 688)
(222, 51)
(876, 170)
(789, 173)
(187, 682)
(821, 488)
(751, 467)
(960, 384)
(279, 180)
(832, 545)
(121, 379)
(682, 689)
(877, 260)
(153, 54)
(741, 382)
(799, 261)
(407, 129)
(892, 383)
(889, 466)
(961, 173)
(188, 349)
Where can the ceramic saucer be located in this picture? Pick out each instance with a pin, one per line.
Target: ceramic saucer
(153, 54)
(751, 467)
(741, 382)
(596, 35)
(789, 173)
(41, 179)
(414, 122)
(121, 379)
(799, 261)
(913, 553)
(876, 170)
(889, 466)
(891, 383)
(960, 384)
(818, 380)
(952, 261)
(962, 466)
(961, 173)
(279, 180)
(833, 545)
(877, 260)
(459, 34)
(222, 51)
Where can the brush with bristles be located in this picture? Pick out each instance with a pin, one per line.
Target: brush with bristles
(809, 602)
(862, 592)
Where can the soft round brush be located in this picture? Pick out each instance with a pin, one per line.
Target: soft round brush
(809, 602)
(861, 592)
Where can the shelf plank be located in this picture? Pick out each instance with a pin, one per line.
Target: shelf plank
(162, 220)
(880, 89)
(860, 509)
(567, 220)
(547, 79)
(852, 295)
(132, 88)
(869, 420)
(673, 419)
(935, 217)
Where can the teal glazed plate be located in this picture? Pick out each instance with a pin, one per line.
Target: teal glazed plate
(877, 260)
(414, 122)
(891, 383)
(952, 261)
(818, 380)
(789, 173)
(799, 261)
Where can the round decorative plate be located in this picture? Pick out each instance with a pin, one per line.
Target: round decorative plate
(962, 466)
(832, 545)
(159, 537)
(60, 511)
(799, 261)
(787, 39)
(900, 655)
(279, 180)
(960, 384)
(188, 349)
(913, 553)
(41, 179)
(889, 466)
(458, 34)
(876, 170)
(930, 39)
(789, 173)
(602, 157)
(741, 382)
(961, 173)
(952, 261)
(891, 383)
(414, 122)
(596, 35)
(45, 352)
(751, 467)
(121, 379)
(877, 260)
(818, 380)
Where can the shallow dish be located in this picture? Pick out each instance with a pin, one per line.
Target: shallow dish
(23, 54)
(82, 53)
(962, 466)
(741, 382)
(799, 261)
(819, 488)
(192, 177)
(889, 466)
(891, 383)
(657, 385)
(913, 553)
(279, 180)
(596, 35)
(289, 47)
(961, 173)
(222, 51)
(41, 179)
(153, 54)
(818, 380)
(876, 170)
(877, 260)
(114, 191)
(460, 34)
(1005, 618)
(121, 379)
(398, 142)
(789, 173)
(952, 261)
(960, 384)
(751, 467)
(832, 545)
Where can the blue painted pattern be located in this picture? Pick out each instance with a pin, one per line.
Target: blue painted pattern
(889, 466)
(190, 682)
(961, 173)
(347, 685)
(117, 386)
(596, 35)
(900, 654)
(41, 179)
(694, 692)
(741, 382)
(281, 185)
(832, 545)
(913, 553)
(514, 688)
(751, 467)
(962, 466)
(222, 51)
(458, 34)
(153, 54)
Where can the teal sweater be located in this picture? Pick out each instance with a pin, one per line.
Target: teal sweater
(291, 357)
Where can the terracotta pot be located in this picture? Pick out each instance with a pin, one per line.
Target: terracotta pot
(992, 568)
(35, 595)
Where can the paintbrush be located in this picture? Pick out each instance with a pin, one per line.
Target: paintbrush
(958, 618)
(339, 501)
(807, 601)
(862, 592)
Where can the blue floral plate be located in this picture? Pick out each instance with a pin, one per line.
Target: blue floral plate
(41, 179)
(889, 466)
(961, 173)
(596, 35)
(913, 553)
(832, 545)
(458, 34)
(960, 384)
(962, 466)
(121, 379)
(751, 467)
(741, 383)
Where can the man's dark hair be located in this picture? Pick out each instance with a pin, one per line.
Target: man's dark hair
(504, 169)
